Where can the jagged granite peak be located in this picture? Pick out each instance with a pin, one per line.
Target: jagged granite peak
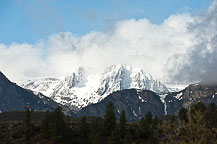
(75, 79)
(116, 77)
(81, 88)
(119, 77)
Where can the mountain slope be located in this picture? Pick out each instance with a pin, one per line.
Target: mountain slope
(193, 94)
(82, 88)
(13, 97)
(136, 104)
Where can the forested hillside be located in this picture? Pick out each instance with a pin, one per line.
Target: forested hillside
(198, 125)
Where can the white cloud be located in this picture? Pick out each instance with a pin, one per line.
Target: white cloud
(162, 50)
(20, 60)
(200, 62)
(138, 43)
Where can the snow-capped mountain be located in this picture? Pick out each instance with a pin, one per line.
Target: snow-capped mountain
(119, 77)
(80, 88)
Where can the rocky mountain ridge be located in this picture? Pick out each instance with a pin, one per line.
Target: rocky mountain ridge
(137, 103)
(79, 89)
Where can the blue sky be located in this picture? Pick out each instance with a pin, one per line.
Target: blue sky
(27, 21)
(159, 36)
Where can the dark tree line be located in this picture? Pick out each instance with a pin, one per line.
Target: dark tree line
(197, 125)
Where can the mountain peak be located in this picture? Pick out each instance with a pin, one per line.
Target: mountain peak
(119, 77)
(82, 88)
(76, 78)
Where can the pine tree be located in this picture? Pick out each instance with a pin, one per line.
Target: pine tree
(211, 116)
(183, 114)
(7, 140)
(122, 124)
(115, 137)
(109, 119)
(97, 130)
(45, 125)
(84, 128)
(199, 107)
(128, 139)
(27, 123)
(58, 128)
(57, 124)
(96, 139)
(146, 124)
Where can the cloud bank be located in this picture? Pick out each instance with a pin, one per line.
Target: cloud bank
(182, 48)
(199, 63)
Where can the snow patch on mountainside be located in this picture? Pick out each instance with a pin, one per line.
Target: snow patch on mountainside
(179, 96)
(162, 98)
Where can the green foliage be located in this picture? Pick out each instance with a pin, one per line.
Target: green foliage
(96, 139)
(45, 125)
(198, 129)
(122, 124)
(197, 125)
(146, 124)
(109, 119)
(148, 128)
(199, 107)
(183, 114)
(128, 139)
(55, 126)
(97, 128)
(7, 140)
(84, 128)
(27, 122)
(115, 137)
(211, 116)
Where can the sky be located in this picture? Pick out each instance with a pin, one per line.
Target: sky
(27, 21)
(174, 40)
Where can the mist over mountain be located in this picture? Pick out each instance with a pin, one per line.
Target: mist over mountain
(171, 51)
